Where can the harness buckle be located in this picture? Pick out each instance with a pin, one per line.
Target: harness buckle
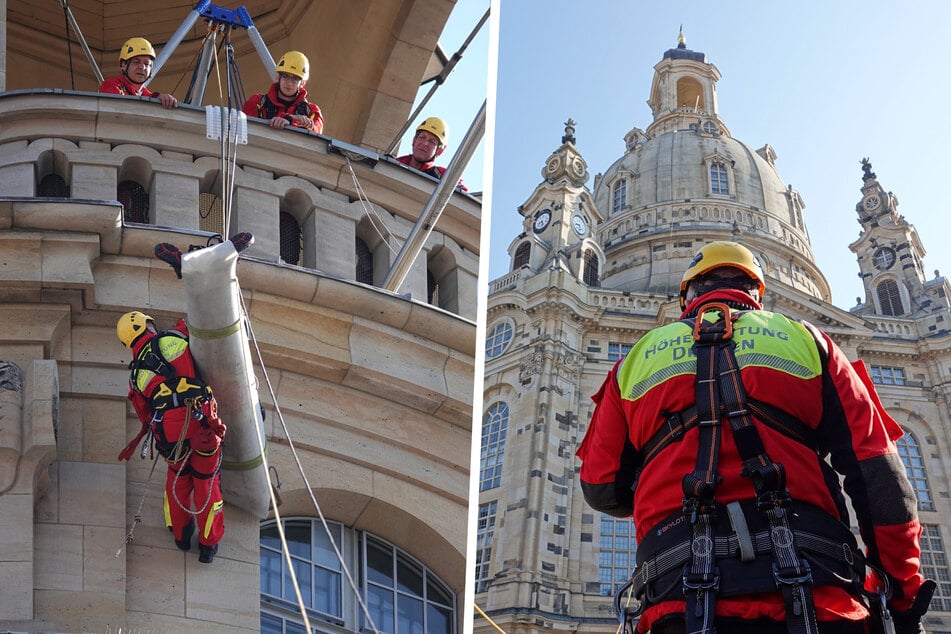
(702, 583)
(790, 577)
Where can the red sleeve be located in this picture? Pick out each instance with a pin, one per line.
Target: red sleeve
(608, 460)
(875, 479)
(141, 406)
(317, 118)
(250, 107)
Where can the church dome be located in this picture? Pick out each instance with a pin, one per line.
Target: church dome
(685, 181)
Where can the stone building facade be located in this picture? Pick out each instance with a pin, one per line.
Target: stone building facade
(372, 386)
(594, 270)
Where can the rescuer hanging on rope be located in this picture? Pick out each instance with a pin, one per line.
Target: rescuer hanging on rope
(725, 434)
(180, 415)
(136, 58)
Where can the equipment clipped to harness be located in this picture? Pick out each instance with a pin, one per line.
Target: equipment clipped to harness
(708, 549)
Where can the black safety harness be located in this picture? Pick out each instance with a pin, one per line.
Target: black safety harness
(769, 544)
(267, 109)
(174, 391)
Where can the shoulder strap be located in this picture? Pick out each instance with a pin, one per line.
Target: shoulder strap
(791, 572)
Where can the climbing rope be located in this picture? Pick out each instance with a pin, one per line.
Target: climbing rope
(137, 518)
(385, 234)
(307, 486)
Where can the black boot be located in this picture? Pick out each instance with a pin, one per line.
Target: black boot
(186, 541)
(206, 554)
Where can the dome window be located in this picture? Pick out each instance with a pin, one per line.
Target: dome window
(719, 179)
(619, 196)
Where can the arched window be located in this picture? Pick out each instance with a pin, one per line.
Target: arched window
(498, 340)
(910, 452)
(484, 538)
(135, 201)
(617, 555)
(719, 179)
(889, 298)
(522, 254)
(364, 263)
(494, 427)
(591, 276)
(401, 594)
(292, 239)
(620, 196)
(53, 186)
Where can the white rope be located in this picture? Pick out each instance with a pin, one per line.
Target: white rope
(230, 150)
(307, 487)
(371, 213)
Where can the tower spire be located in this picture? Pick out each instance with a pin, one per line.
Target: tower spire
(681, 40)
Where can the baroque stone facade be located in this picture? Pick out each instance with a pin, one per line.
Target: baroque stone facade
(592, 271)
(373, 386)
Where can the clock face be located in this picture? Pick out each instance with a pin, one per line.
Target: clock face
(553, 165)
(577, 167)
(884, 258)
(871, 202)
(542, 218)
(579, 224)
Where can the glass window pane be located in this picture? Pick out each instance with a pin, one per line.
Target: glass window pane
(302, 571)
(435, 591)
(438, 620)
(327, 598)
(379, 563)
(324, 554)
(270, 537)
(271, 573)
(409, 577)
(380, 606)
(295, 628)
(298, 538)
(271, 624)
(410, 616)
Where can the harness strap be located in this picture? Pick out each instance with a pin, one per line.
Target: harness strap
(269, 108)
(701, 577)
(836, 562)
(791, 572)
(679, 423)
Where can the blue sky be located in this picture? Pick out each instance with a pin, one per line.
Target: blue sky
(824, 83)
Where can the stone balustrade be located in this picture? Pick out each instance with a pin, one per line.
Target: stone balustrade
(329, 193)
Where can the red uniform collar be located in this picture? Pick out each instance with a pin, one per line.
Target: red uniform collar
(731, 295)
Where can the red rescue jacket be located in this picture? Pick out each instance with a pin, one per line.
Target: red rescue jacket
(270, 105)
(786, 367)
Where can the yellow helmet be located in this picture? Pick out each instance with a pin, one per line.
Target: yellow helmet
(436, 126)
(294, 63)
(722, 254)
(131, 326)
(134, 47)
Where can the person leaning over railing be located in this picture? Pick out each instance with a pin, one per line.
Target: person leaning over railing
(135, 63)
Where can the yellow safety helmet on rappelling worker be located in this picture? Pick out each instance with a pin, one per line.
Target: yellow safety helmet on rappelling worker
(721, 254)
(134, 47)
(294, 63)
(131, 326)
(436, 126)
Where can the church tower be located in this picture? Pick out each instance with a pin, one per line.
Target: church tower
(591, 271)
(891, 262)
